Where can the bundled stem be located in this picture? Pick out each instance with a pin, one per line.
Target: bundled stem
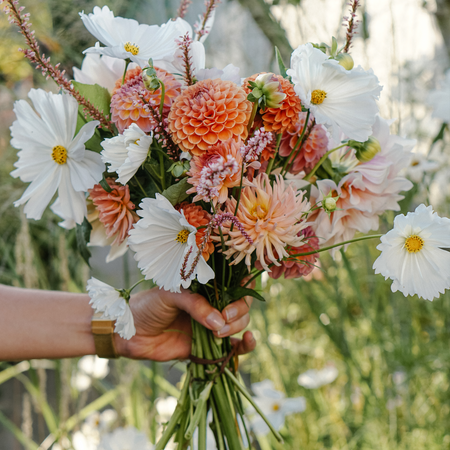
(33, 54)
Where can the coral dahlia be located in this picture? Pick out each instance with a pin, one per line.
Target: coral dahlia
(285, 117)
(197, 216)
(116, 211)
(126, 103)
(314, 147)
(215, 171)
(271, 216)
(208, 113)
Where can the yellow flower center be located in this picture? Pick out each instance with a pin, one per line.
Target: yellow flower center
(414, 244)
(259, 211)
(132, 48)
(318, 96)
(182, 236)
(276, 407)
(59, 154)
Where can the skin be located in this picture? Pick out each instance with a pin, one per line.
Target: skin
(49, 324)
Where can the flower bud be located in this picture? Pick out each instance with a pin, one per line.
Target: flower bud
(329, 204)
(345, 60)
(179, 169)
(267, 89)
(150, 79)
(365, 151)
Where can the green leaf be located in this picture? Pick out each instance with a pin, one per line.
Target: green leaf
(334, 45)
(101, 99)
(83, 233)
(238, 292)
(104, 184)
(281, 65)
(177, 192)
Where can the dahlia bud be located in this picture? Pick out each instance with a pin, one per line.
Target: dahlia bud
(329, 204)
(345, 60)
(365, 151)
(267, 91)
(150, 77)
(179, 169)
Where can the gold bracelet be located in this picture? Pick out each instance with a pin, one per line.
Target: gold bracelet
(103, 331)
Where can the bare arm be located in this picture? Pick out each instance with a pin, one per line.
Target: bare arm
(51, 324)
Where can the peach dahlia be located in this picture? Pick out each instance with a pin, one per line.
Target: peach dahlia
(208, 113)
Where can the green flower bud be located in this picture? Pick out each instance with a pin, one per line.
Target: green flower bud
(179, 169)
(345, 60)
(150, 79)
(365, 151)
(329, 204)
(267, 89)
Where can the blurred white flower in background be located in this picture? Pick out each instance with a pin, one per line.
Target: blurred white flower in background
(125, 439)
(89, 367)
(413, 255)
(313, 379)
(165, 408)
(439, 100)
(419, 166)
(274, 405)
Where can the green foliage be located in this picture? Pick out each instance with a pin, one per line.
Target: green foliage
(238, 292)
(177, 192)
(83, 233)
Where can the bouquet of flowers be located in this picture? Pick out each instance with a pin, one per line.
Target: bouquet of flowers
(210, 179)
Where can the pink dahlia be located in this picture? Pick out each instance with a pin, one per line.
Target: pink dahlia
(127, 106)
(273, 218)
(315, 146)
(297, 266)
(215, 171)
(116, 210)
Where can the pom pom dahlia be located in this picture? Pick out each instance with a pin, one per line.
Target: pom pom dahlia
(215, 171)
(115, 210)
(314, 147)
(271, 216)
(208, 113)
(286, 116)
(126, 103)
(197, 216)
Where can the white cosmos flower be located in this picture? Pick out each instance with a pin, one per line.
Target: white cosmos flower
(125, 439)
(412, 254)
(100, 69)
(344, 100)
(313, 379)
(419, 166)
(51, 157)
(161, 240)
(126, 152)
(89, 367)
(274, 405)
(127, 39)
(107, 300)
(439, 100)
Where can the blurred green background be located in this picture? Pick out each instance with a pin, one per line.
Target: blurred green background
(391, 352)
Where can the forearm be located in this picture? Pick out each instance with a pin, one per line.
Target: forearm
(44, 324)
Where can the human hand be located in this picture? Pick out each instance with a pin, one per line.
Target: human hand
(163, 324)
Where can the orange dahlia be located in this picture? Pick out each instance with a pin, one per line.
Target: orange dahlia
(207, 113)
(126, 103)
(197, 216)
(116, 210)
(216, 170)
(283, 118)
(271, 216)
(315, 146)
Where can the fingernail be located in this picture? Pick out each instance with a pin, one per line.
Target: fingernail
(231, 312)
(223, 331)
(215, 321)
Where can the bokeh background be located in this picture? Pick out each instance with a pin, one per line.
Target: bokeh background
(390, 354)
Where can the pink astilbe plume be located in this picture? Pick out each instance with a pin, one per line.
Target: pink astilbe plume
(184, 44)
(213, 173)
(351, 24)
(33, 54)
(116, 210)
(200, 27)
(182, 9)
(256, 145)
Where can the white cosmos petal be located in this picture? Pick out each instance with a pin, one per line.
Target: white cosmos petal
(86, 173)
(76, 148)
(72, 202)
(425, 272)
(350, 103)
(160, 256)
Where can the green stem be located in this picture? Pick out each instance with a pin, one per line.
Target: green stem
(270, 165)
(202, 431)
(135, 284)
(140, 186)
(299, 143)
(163, 171)
(247, 395)
(321, 160)
(127, 62)
(252, 118)
(163, 95)
(218, 427)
